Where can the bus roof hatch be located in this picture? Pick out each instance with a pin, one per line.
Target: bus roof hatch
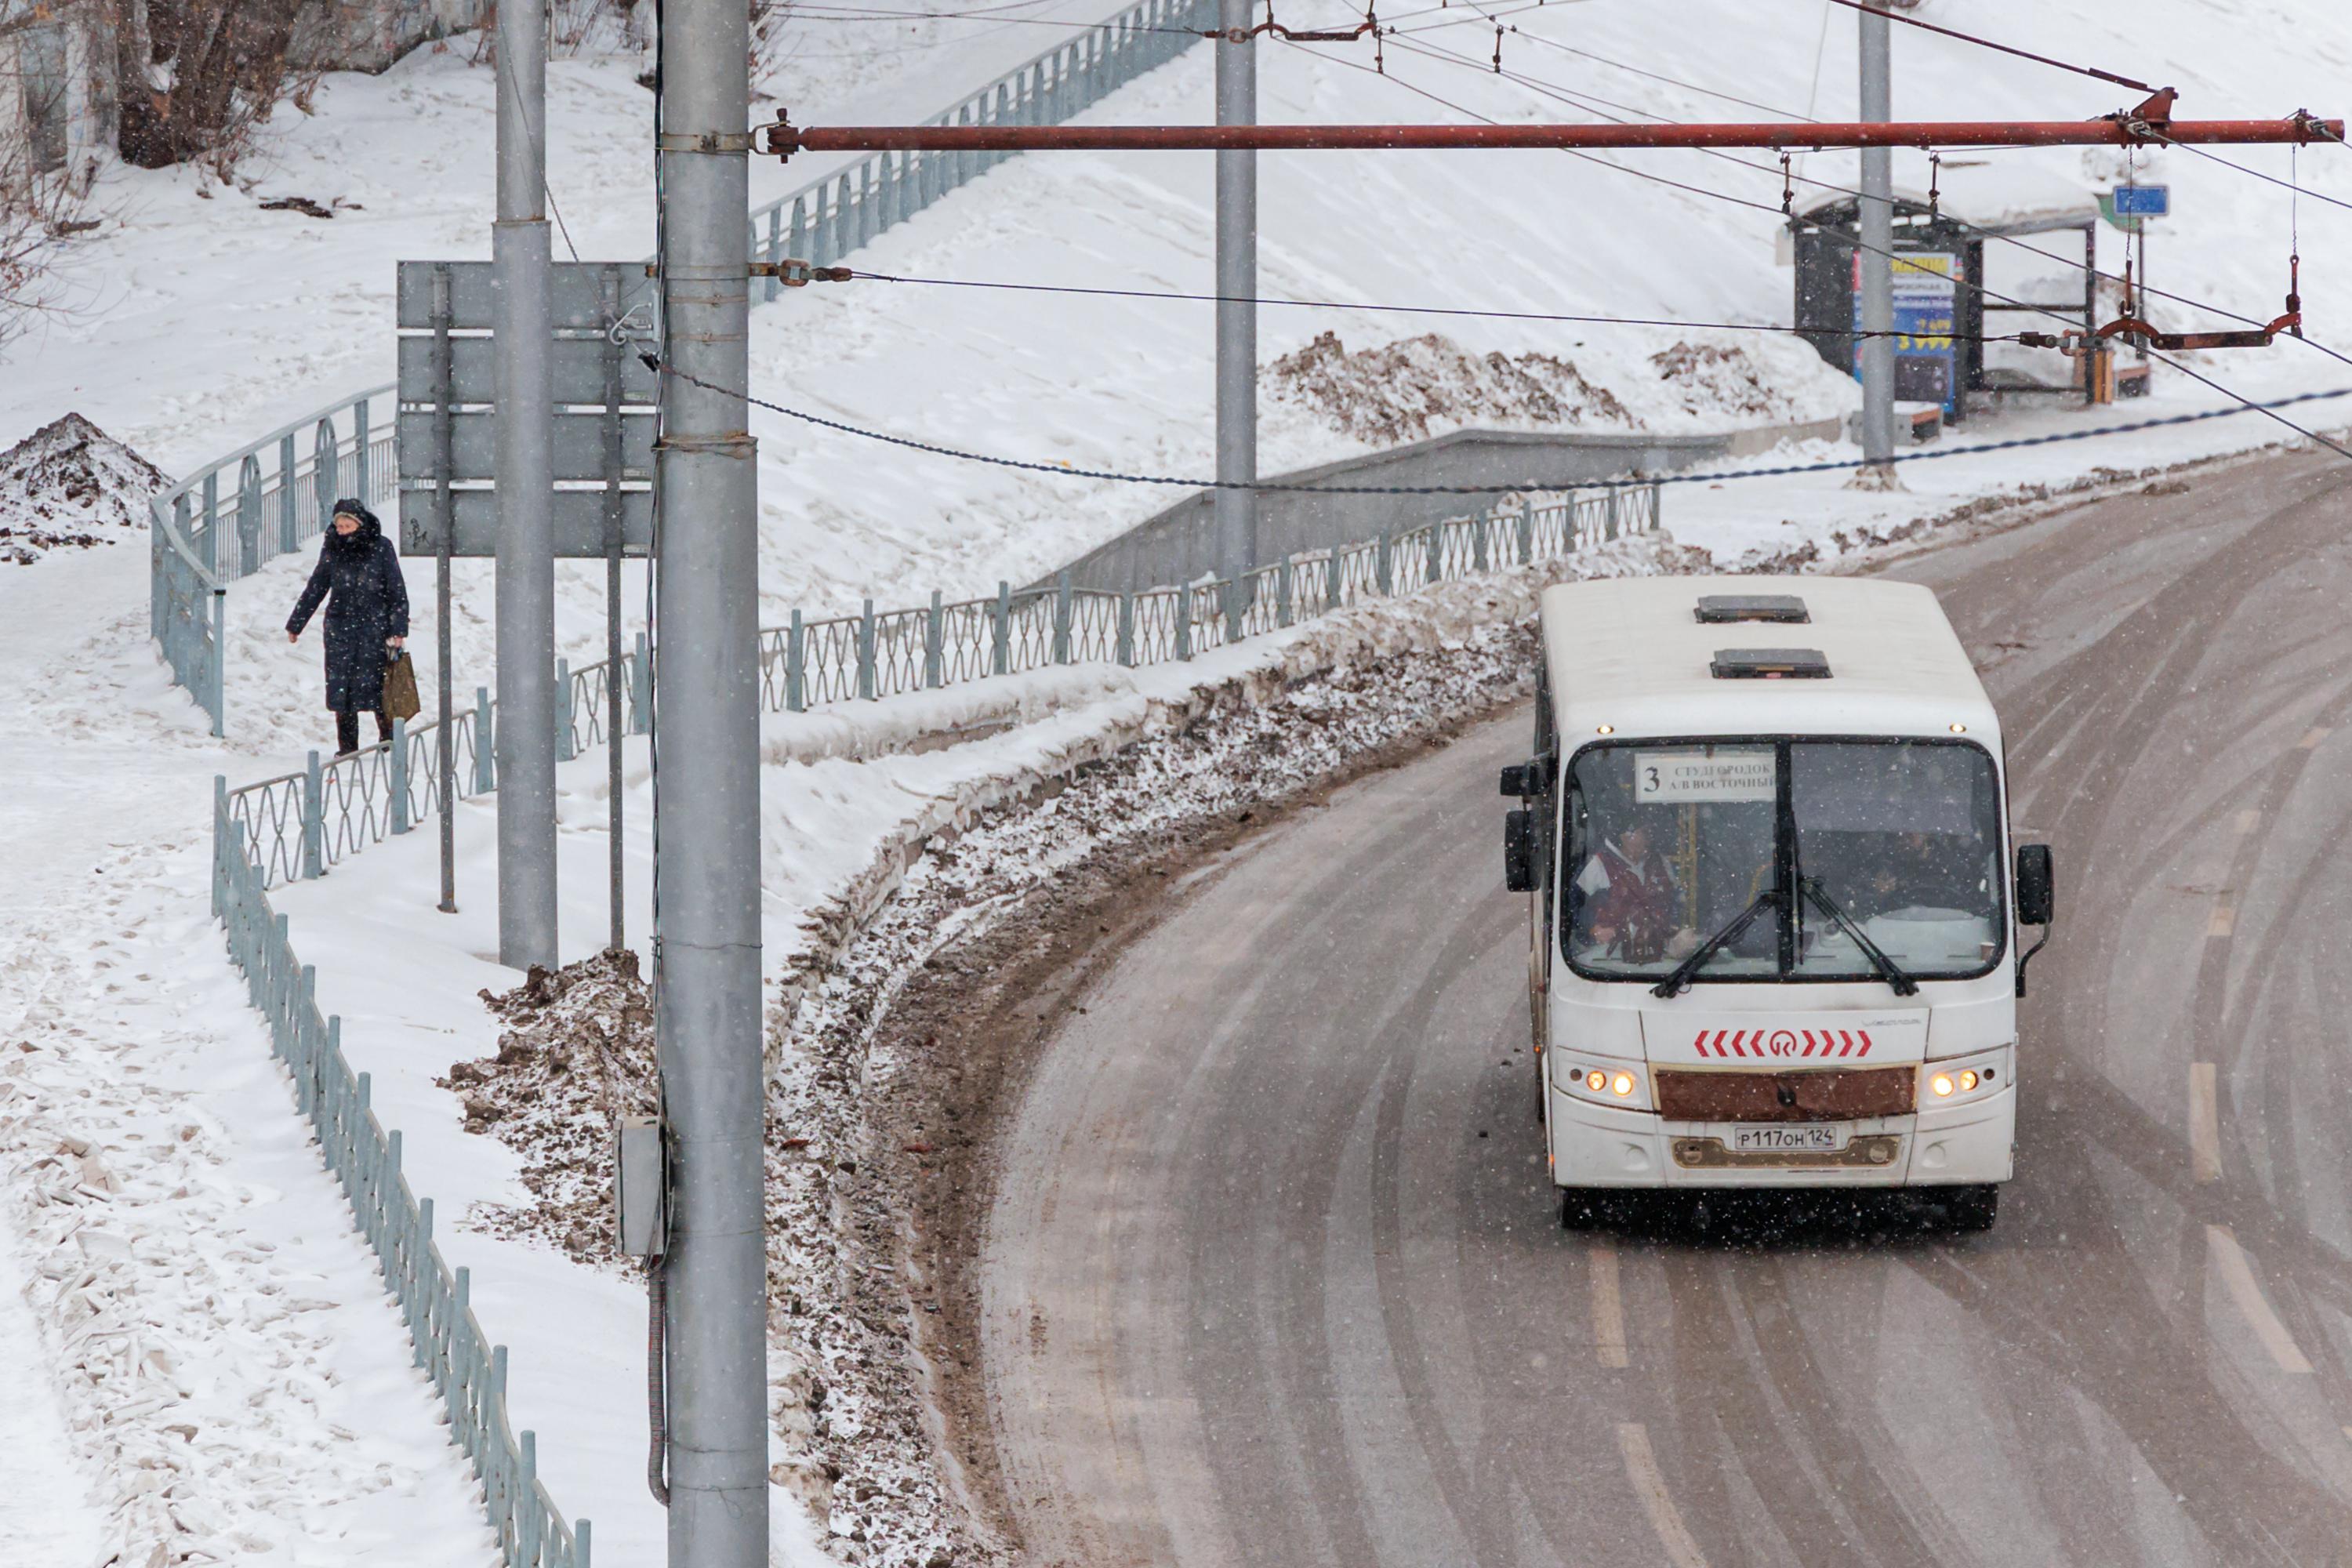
(1716, 609)
(1769, 664)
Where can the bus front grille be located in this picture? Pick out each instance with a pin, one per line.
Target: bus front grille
(1833, 1094)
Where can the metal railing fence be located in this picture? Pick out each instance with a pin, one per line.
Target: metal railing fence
(232, 517)
(830, 216)
(299, 826)
(274, 496)
(465, 1369)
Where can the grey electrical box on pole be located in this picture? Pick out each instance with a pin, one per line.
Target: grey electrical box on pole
(1875, 256)
(707, 803)
(1236, 510)
(640, 1187)
(526, 492)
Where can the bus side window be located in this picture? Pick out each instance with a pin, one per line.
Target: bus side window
(1572, 897)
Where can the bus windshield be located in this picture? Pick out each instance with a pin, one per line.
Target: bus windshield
(1669, 844)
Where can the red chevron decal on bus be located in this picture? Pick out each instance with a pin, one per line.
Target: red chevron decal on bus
(1726, 1043)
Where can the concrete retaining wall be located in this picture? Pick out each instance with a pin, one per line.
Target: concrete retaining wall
(1180, 543)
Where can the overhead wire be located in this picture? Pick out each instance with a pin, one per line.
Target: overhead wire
(1586, 102)
(1104, 291)
(1858, 244)
(1070, 470)
(1983, 43)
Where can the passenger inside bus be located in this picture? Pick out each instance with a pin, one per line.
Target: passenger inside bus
(1923, 870)
(1630, 895)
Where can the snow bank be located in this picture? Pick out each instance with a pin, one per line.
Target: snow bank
(70, 485)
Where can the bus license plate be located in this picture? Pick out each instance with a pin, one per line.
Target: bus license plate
(1787, 1139)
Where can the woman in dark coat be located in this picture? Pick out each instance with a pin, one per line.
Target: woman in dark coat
(359, 577)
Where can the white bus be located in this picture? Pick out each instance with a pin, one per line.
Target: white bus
(1774, 930)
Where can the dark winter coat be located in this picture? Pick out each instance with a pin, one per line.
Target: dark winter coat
(359, 577)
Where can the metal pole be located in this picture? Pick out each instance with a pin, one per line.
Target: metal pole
(615, 869)
(707, 812)
(1877, 221)
(526, 485)
(1236, 510)
(1029, 135)
(444, 745)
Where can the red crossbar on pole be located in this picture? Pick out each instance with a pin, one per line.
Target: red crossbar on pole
(785, 139)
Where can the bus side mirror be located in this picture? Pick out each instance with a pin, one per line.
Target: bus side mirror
(1519, 851)
(2037, 900)
(1521, 778)
(2037, 892)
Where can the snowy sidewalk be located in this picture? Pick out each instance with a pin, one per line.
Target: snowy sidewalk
(45, 1514)
(205, 1327)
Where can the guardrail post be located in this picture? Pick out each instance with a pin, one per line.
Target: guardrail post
(1003, 660)
(934, 644)
(866, 652)
(579, 1543)
(1235, 590)
(1384, 564)
(1062, 620)
(208, 548)
(1126, 629)
(1282, 586)
(417, 1333)
(359, 447)
(1183, 620)
(314, 819)
(216, 662)
(641, 689)
(796, 668)
(286, 524)
(1656, 495)
(1435, 571)
(221, 828)
(1608, 512)
(1527, 530)
(398, 773)
(1335, 576)
(1479, 525)
(564, 749)
(485, 753)
(527, 1532)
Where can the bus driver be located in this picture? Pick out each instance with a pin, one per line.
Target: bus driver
(1629, 896)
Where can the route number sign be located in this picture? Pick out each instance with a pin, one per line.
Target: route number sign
(1721, 777)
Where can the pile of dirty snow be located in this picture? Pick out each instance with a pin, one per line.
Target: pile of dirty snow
(69, 484)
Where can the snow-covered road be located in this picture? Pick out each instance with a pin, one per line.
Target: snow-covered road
(197, 1342)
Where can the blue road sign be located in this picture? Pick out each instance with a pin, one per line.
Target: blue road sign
(2143, 201)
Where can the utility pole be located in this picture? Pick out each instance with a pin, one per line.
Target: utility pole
(526, 491)
(1236, 510)
(707, 803)
(1875, 258)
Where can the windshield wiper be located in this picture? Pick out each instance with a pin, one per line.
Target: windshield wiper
(1730, 932)
(1892, 972)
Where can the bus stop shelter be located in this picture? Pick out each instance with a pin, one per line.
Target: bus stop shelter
(1941, 303)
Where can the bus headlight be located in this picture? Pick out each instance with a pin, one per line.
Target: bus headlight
(1605, 1083)
(1970, 1077)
